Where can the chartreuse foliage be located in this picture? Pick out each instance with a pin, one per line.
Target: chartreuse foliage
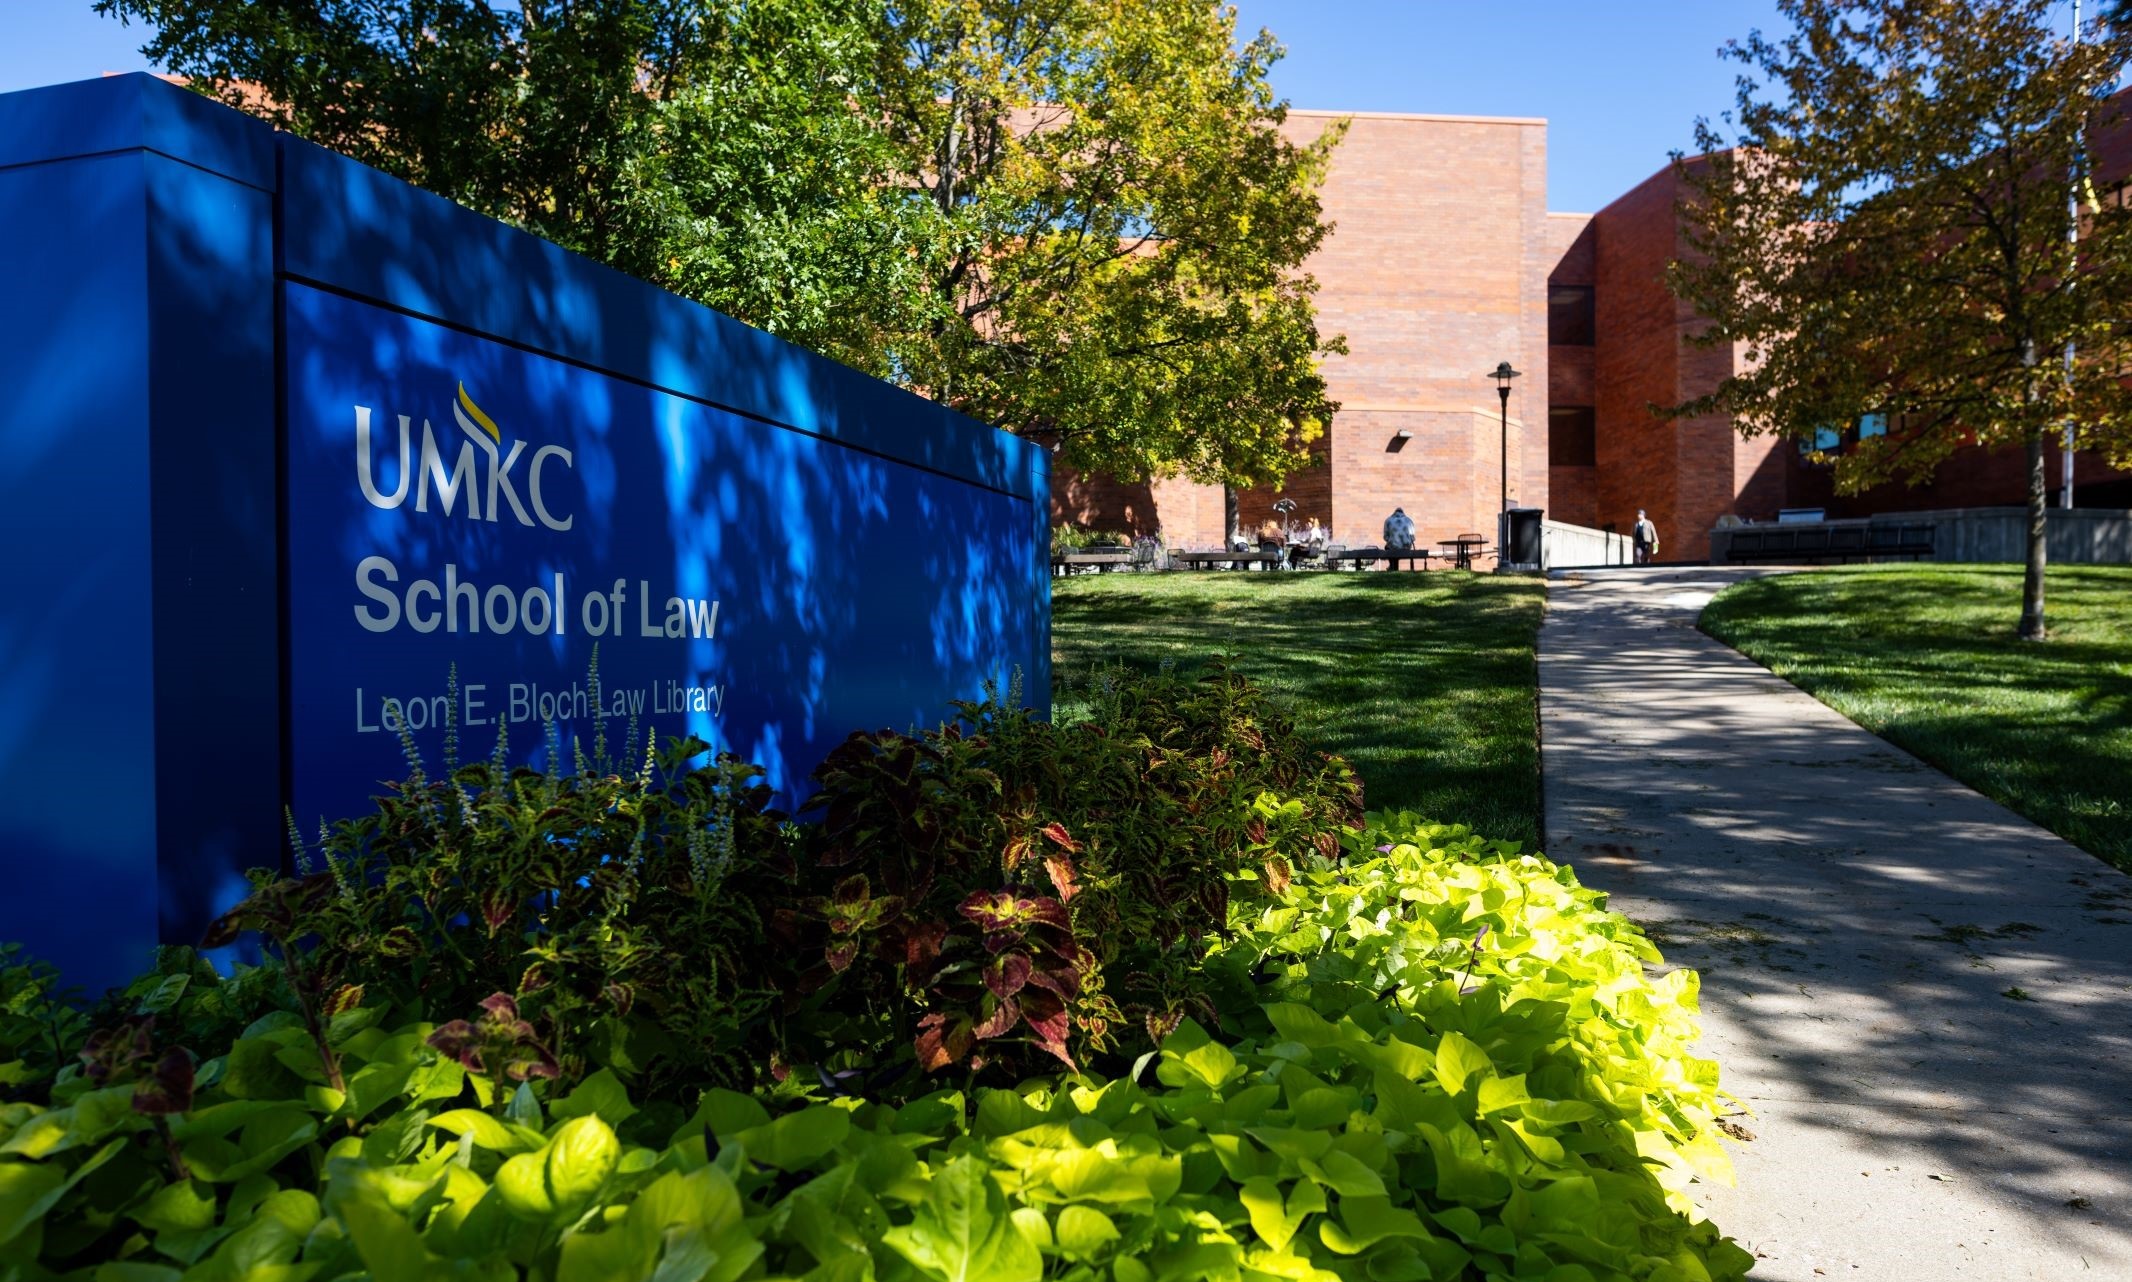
(1444, 1061)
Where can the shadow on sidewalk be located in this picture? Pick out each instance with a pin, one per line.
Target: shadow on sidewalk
(1873, 936)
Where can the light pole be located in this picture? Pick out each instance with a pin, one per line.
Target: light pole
(1502, 376)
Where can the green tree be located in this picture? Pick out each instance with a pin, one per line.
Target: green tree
(1116, 225)
(709, 146)
(1075, 219)
(1887, 230)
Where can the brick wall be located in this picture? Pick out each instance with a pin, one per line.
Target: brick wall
(1635, 361)
(1573, 491)
(1686, 473)
(1186, 514)
(1435, 272)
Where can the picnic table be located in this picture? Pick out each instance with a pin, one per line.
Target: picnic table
(1463, 549)
(1101, 560)
(1211, 560)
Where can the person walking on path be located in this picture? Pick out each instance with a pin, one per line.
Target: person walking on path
(1646, 538)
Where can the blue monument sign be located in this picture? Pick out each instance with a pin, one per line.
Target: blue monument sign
(293, 445)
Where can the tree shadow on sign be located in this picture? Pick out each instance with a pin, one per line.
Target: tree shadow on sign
(873, 555)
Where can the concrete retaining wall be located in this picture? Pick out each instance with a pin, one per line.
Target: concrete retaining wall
(2079, 536)
(1562, 544)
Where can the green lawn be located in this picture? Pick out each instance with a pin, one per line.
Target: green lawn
(1425, 682)
(1925, 656)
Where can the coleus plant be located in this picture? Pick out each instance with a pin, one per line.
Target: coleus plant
(1132, 829)
(1026, 972)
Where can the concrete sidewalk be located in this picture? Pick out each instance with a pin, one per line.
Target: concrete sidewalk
(1858, 918)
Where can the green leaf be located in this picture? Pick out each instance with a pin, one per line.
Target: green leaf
(164, 995)
(1274, 1221)
(179, 1208)
(1345, 1174)
(962, 1233)
(1082, 1232)
(488, 1133)
(1500, 1093)
(1366, 1221)
(524, 1108)
(348, 1023)
(1464, 1172)
(887, 1167)
(1293, 1144)
(601, 1095)
(1396, 1055)
(1032, 1224)
(623, 1251)
(1457, 1060)
(374, 1084)
(1212, 1065)
(269, 1240)
(264, 1141)
(1558, 1112)
(135, 1271)
(253, 1070)
(556, 1182)
(797, 1140)
(1002, 1112)
(522, 1183)
(91, 1117)
(389, 1246)
(728, 1113)
(27, 1191)
(1296, 1022)
(25, 1198)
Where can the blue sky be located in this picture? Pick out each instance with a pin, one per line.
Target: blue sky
(1619, 81)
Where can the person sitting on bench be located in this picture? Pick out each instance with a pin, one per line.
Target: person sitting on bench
(1399, 531)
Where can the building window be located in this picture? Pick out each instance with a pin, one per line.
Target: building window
(1825, 440)
(1569, 316)
(1871, 425)
(1572, 436)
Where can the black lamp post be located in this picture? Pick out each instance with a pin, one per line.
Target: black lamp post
(1502, 376)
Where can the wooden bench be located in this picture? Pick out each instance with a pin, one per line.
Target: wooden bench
(1359, 557)
(1217, 560)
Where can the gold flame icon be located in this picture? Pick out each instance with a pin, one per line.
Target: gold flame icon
(467, 407)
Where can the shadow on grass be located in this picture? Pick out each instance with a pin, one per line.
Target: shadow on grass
(1425, 682)
(1925, 657)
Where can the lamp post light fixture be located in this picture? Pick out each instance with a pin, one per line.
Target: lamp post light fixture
(1502, 376)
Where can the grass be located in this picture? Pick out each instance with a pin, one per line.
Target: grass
(1425, 682)
(1925, 657)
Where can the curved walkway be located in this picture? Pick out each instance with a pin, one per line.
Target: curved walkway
(1859, 919)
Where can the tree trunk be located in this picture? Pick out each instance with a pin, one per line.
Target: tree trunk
(1229, 516)
(2032, 628)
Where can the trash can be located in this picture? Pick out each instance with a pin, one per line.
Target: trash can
(1520, 540)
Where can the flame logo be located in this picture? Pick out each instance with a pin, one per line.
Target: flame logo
(466, 407)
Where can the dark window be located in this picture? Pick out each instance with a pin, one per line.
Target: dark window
(1569, 315)
(1572, 438)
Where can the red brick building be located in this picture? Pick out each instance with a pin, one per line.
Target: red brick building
(1444, 261)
